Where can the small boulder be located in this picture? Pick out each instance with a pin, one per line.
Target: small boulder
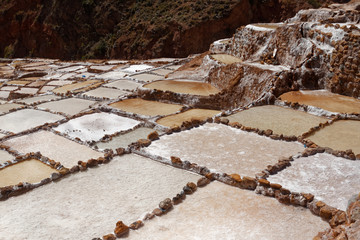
(136, 225)
(153, 136)
(165, 205)
(203, 182)
(121, 229)
(109, 237)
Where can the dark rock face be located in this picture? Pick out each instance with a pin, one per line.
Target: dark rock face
(125, 29)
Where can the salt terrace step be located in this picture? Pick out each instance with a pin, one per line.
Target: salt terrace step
(30, 171)
(123, 140)
(125, 189)
(147, 108)
(280, 120)
(53, 146)
(219, 211)
(341, 135)
(25, 119)
(224, 149)
(187, 87)
(92, 127)
(331, 179)
(189, 115)
(69, 106)
(325, 100)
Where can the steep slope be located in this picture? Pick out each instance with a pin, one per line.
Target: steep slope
(128, 28)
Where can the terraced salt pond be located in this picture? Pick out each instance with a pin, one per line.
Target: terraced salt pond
(325, 100)
(25, 119)
(30, 171)
(281, 120)
(123, 140)
(225, 58)
(178, 119)
(69, 106)
(57, 148)
(145, 107)
(4, 108)
(38, 99)
(76, 87)
(98, 198)
(123, 85)
(219, 211)
(187, 87)
(224, 149)
(331, 179)
(92, 127)
(147, 77)
(105, 93)
(341, 135)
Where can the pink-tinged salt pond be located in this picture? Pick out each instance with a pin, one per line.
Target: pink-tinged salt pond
(55, 147)
(325, 100)
(331, 179)
(219, 211)
(224, 149)
(124, 189)
(187, 87)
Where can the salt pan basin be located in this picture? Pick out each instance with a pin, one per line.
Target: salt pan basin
(178, 119)
(219, 211)
(123, 140)
(55, 147)
(107, 93)
(31, 171)
(281, 120)
(93, 127)
(341, 135)
(331, 179)
(26, 119)
(124, 189)
(145, 107)
(325, 100)
(70, 106)
(224, 149)
(187, 87)
(225, 58)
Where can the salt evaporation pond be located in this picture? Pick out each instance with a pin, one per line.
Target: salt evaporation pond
(178, 119)
(123, 85)
(25, 119)
(75, 86)
(187, 87)
(225, 58)
(4, 108)
(69, 106)
(123, 140)
(105, 93)
(145, 107)
(124, 189)
(219, 211)
(57, 148)
(224, 149)
(42, 98)
(30, 171)
(331, 179)
(341, 135)
(325, 100)
(92, 127)
(281, 120)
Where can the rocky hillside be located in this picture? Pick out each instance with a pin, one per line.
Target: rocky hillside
(129, 28)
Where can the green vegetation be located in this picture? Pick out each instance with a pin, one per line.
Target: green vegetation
(9, 51)
(314, 3)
